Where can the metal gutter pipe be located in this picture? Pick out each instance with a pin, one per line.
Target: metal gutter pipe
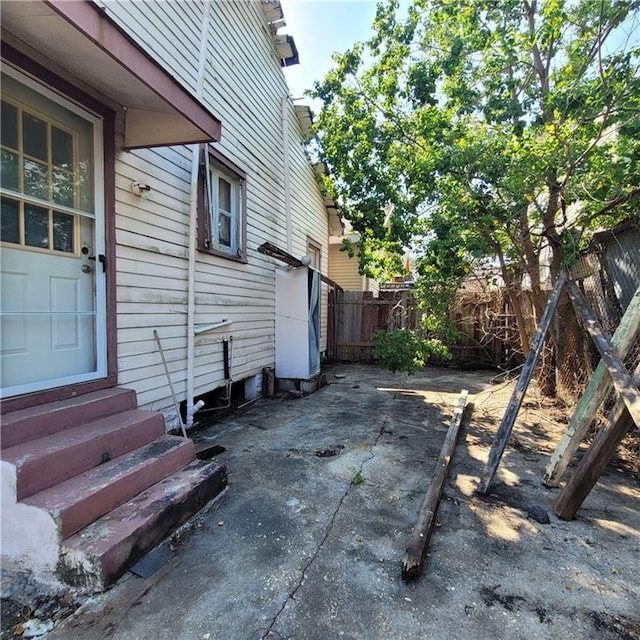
(286, 172)
(193, 218)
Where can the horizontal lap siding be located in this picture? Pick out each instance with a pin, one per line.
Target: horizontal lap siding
(244, 87)
(344, 270)
(306, 198)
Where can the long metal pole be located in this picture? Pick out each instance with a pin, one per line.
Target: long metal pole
(193, 216)
(173, 393)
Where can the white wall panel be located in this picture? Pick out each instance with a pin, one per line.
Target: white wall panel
(244, 86)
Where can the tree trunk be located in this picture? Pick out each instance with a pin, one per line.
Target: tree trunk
(546, 372)
(573, 368)
(515, 302)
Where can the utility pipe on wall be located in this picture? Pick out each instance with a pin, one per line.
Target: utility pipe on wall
(193, 218)
(285, 172)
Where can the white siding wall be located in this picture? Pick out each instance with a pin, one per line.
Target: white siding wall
(244, 87)
(344, 270)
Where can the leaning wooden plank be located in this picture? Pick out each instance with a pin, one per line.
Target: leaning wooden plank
(500, 441)
(596, 459)
(596, 392)
(622, 381)
(419, 540)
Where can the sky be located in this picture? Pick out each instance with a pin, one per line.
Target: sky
(319, 29)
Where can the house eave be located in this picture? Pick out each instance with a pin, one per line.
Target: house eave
(305, 118)
(82, 39)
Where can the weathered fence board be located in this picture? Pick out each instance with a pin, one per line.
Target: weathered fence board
(596, 392)
(504, 431)
(487, 333)
(595, 461)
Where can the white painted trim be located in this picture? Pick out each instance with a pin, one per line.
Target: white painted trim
(29, 535)
(47, 204)
(99, 234)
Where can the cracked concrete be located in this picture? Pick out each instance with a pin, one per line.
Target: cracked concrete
(296, 550)
(355, 481)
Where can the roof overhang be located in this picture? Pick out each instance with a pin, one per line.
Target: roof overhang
(80, 38)
(305, 118)
(336, 226)
(285, 46)
(273, 13)
(286, 50)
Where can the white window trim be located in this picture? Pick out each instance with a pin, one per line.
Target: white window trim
(314, 247)
(213, 170)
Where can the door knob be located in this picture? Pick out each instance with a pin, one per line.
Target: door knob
(102, 259)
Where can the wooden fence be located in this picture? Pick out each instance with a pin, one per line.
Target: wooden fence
(486, 327)
(487, 332)
(355, 315)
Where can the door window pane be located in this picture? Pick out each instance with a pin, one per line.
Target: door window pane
(85, 188)
(62, 187)
(61, 148)
(36, 183)
(34, 133)
(9, 125)
(63, 232)
(9, 170)
(36, 226)
(10, 221)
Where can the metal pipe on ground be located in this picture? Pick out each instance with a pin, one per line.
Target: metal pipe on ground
(173, 393)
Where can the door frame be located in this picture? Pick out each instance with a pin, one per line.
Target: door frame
(41, 73)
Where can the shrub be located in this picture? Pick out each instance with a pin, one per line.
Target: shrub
(406, 350)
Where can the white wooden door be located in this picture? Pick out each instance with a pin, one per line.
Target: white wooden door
(49, 320)
(52, 285)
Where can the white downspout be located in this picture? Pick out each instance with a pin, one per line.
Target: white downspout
(286, 172)
(193, 220)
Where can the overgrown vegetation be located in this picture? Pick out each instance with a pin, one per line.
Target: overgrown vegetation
(476, 130)
(409, 350)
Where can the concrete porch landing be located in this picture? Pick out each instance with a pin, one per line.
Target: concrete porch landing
(92, 483)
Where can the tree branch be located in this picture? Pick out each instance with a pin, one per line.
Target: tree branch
(616, 202)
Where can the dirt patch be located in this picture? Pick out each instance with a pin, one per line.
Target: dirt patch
(625, 628)
(329, 453)
(628, 458)
(491, 597)
(24, 600)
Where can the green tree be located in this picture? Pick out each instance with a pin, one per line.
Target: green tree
(496, 128)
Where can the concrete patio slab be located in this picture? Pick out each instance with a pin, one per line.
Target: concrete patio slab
(308, 540)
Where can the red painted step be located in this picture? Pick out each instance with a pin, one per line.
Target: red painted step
(96, 556)
(83, 499)
(43, 420)
(45, 462)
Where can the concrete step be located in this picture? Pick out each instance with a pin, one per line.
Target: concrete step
(37, 422)
(98, 554)
(48, 461)
(86, 497)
